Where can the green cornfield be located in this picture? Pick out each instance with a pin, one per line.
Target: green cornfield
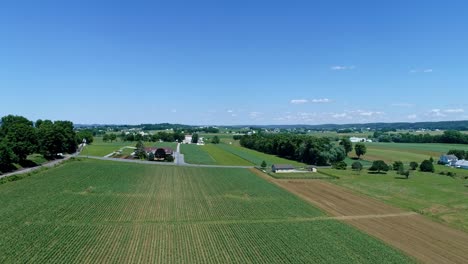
(109, 212)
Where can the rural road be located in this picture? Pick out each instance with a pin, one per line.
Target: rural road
(178, 161)
(166, 164)
(179, 157)
(46, 165)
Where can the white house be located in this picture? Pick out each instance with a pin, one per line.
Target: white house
(448, 160)
(462, 164)
(187, 139)
(276, 168)
(358, 139)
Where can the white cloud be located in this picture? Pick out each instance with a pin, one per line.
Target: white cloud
(255, 114)
(421, 70)
(369, 113)
(458, 110)
(299, 101)
(321, 100)
(342, 115)
(230, 111)
(341, 68)
(402, 104)
(413, 116)
(314, 101)
(436, 113)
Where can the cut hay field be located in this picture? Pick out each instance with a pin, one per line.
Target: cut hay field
(407, 152)
(440, 197)
(108, 212)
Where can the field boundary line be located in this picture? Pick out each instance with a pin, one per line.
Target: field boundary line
(228, 222)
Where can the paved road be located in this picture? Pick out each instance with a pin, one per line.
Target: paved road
(164, 163)
(45, 165)
(179, 158)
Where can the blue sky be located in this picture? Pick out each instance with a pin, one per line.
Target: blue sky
(234, 62)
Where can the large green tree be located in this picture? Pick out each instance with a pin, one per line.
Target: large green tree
(347, 145)
(140, 151)
(67, 130)
(20, 135)
(84, 134)
(195, 138)
(360, 149)
(51, 139)
(7, 157)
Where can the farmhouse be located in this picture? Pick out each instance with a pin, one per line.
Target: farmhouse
(187, 139)
(448, 160)
(358, 139)
(168, 151)
(462, 164)
(277, 168)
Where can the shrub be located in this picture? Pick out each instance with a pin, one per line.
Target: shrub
(398, 166)
(405, 173)
(413, 165)
(340, 165)
(357, 166)
(378, 166)
(451, 174)
(427, 166)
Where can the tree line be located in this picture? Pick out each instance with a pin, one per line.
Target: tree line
(449, 136)
(20, 137)
(302, 148)
(163, 136)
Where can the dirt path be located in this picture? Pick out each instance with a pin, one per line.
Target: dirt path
(419, 237)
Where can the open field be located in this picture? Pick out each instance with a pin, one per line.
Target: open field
(223, 157)
(107, 212)
(256, 157)
(437, 196)
(194, 154)
(407, 152)
(211, 154)
(427, 241)
(224, 154)
(100, 148)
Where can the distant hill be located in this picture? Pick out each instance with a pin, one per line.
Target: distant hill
(442, 125)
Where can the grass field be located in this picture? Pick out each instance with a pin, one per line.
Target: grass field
(212, 155)
(223, 157)
(107, 212)
(100, 148)
(440, 197)
(256, 157)
(407, 152)
(224, 154)
(194, 154)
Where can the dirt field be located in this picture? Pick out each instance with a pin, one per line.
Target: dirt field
(419, 237)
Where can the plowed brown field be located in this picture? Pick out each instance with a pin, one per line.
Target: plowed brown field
(421, 238)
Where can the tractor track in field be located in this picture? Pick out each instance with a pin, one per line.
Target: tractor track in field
(423, 239)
